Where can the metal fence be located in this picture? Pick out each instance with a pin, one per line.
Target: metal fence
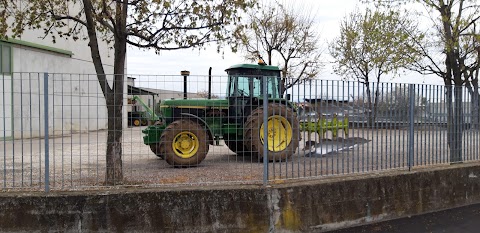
(54, 130)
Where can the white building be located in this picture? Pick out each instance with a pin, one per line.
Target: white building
(76, 102)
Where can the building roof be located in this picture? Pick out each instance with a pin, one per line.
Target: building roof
(139, 91)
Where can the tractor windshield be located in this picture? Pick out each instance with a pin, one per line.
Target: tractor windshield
(252, 86)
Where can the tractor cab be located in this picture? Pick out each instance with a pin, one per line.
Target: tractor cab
(245, 88)
(246, 80)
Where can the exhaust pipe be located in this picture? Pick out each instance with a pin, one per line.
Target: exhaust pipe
(210, 83)
(185, 74)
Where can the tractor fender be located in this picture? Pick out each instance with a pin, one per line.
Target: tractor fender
(279, 101)
(209, 131)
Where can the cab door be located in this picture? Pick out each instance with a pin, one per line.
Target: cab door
(240, 98)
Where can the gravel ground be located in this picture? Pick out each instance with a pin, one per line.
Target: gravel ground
(78, 161)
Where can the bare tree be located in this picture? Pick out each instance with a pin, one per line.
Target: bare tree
(286, 33)
(204, 94)
(371, 45)
(455, 23)
(300, 52)
(160, 25)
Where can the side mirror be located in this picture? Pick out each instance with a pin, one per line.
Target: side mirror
(288, 96)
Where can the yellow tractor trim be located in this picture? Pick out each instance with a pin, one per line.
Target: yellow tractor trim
(137, 122)
(279, 133)
(185, 144)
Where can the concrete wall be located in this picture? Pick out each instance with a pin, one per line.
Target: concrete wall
(309, 206)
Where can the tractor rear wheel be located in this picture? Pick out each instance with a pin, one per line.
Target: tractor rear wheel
(184, 143)
(283, 132)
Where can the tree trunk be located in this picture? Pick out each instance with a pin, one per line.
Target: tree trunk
(476, 94)
(475, 121)
(455, 122)
(370, 114)
(269, 57)
(450, 118)
(472, 88)
(284, 80)
(113, 96)
(114, 166)
(375, 102)
(114, 171)
(457, 127)
(453, 64)
(114, 174)
(476, 109)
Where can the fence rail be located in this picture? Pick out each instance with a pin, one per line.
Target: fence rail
(54, 130)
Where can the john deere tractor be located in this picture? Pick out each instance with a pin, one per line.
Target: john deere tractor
(188, 126)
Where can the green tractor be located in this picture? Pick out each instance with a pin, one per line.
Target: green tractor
(188, 126)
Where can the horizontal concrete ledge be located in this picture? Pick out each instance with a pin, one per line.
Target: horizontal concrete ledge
(299, 206)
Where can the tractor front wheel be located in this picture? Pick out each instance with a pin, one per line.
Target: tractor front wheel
(282, 132)
(184, 143)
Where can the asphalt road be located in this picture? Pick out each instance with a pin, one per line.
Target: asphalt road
(459, 220)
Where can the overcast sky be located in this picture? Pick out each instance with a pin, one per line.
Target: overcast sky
(328, 14)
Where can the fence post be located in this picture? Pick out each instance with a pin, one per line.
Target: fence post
(265, 130)
(45, 109)
(411, 94)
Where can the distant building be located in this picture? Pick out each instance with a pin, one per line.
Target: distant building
(152, 97)
(76, 102)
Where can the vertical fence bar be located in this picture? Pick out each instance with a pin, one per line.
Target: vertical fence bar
(62, 96)
(265, 130)
(21, 126)
(476, 112)
(39, 91)
(315, 108)
(53, 132)
(12, 103)
(421, 136)
(30, 125)
(45, 104)
(336, 127)
(411, 92)
(392, 131)
(4, 134)
(365, 161)
(438, 123)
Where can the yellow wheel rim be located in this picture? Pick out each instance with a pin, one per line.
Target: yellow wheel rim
(136, 122)
(279, 133)
(185, 144)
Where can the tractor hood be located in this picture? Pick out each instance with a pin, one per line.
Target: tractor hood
(195, 103)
